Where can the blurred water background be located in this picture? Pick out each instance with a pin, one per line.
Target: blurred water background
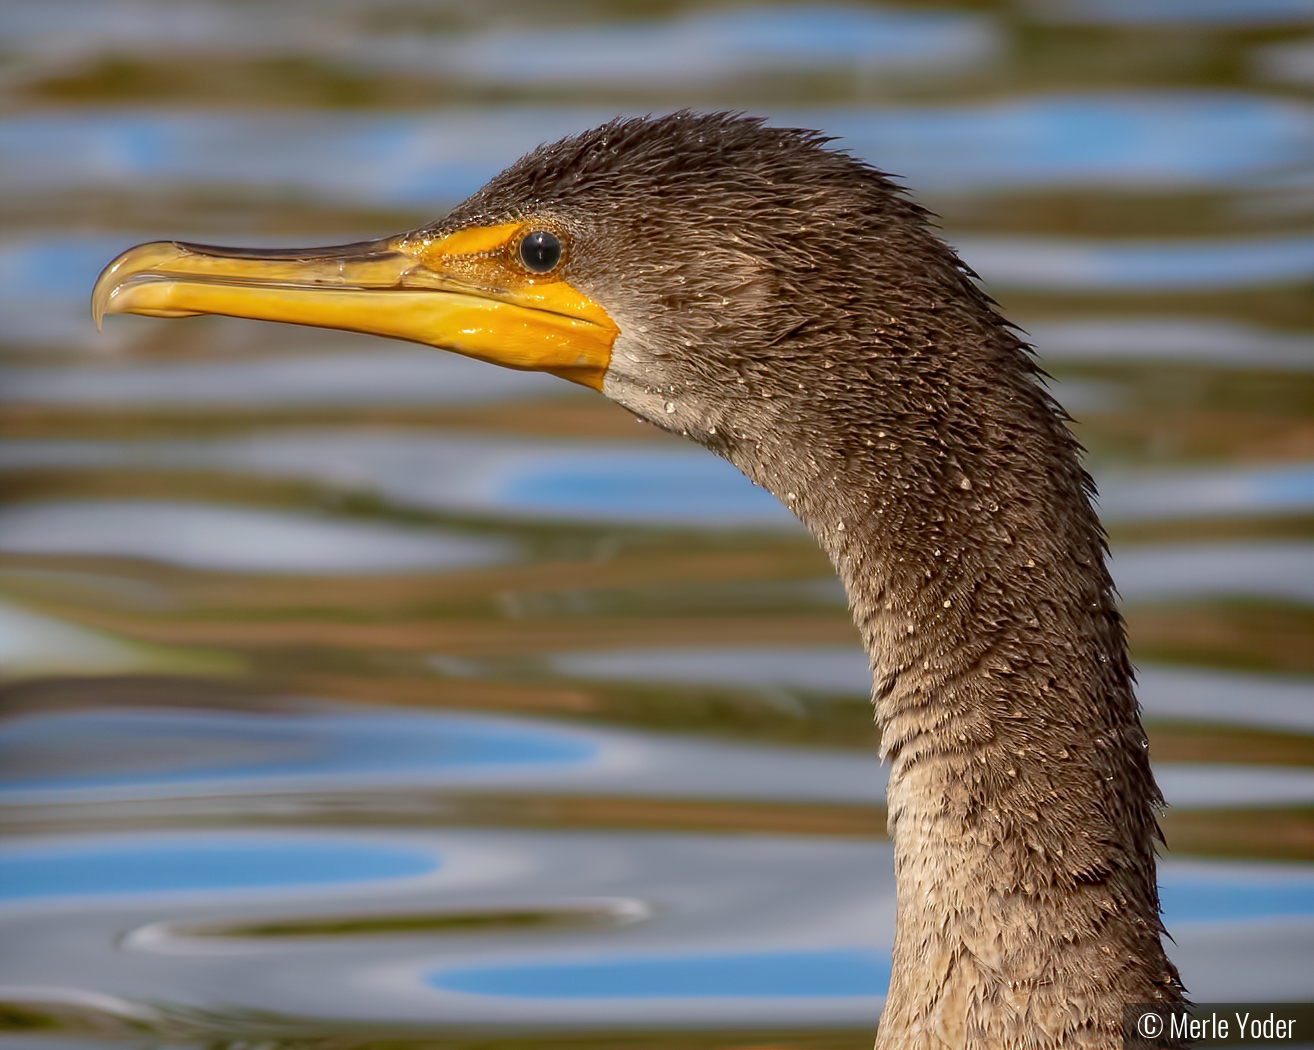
(356, 695)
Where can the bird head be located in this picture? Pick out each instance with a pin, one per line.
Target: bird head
(743, 285)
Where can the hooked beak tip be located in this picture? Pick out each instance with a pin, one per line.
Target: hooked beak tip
(98, 301)
(107, 283)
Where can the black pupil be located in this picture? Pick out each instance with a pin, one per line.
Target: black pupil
(540, 251)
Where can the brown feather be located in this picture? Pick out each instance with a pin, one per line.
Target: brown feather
(788, 307)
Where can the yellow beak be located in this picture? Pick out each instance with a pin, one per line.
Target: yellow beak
(464, 292)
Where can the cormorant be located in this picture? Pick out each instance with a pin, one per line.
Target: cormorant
(786, 306)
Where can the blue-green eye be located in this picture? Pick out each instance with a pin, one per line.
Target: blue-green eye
(540, 251)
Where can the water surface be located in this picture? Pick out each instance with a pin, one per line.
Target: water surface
(354, 693)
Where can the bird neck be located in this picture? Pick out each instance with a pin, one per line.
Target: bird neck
(1021, 802)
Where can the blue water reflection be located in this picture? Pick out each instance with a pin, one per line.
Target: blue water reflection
(1218, 343)
(697, 44)
(780, 974)
(631, 483)
(165, 753)
(638, 484)
(1134, 138)
(705, 46)
(1198, 895)
(540, 480)
(1229, 698)
(220, 862)
(1226, 785)
(1143, 139)
(393, 159)
(184, 754)
(126, 748)
(1181, 12)
(667, 488)
(1280, 570)
(372, 373)
(1205, 492)
(1192, 893)
(1146, 266)
(237, 539)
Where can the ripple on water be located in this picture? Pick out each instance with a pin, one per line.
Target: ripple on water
(114, 867)
(1205, 492)
(1059, 265)
(624, 484)
(1178, 12)
(518, 480)
(668, 488)
(700, 45)
(367, 374)
(1134, 138)
(1238, 896)
(143, 754)
(178, 750)
(840, 669)
(1281, 570)
(705, 46)
(1193, 893)
(1220, 785)
(235, 539)
(31, 643)
(703, 948)
(1284, 703)
(840, 973)
(1217, 343)
(1198, 892)
(1181, 693)
(168, 753)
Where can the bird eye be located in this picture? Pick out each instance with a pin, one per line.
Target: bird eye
(540, 251)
